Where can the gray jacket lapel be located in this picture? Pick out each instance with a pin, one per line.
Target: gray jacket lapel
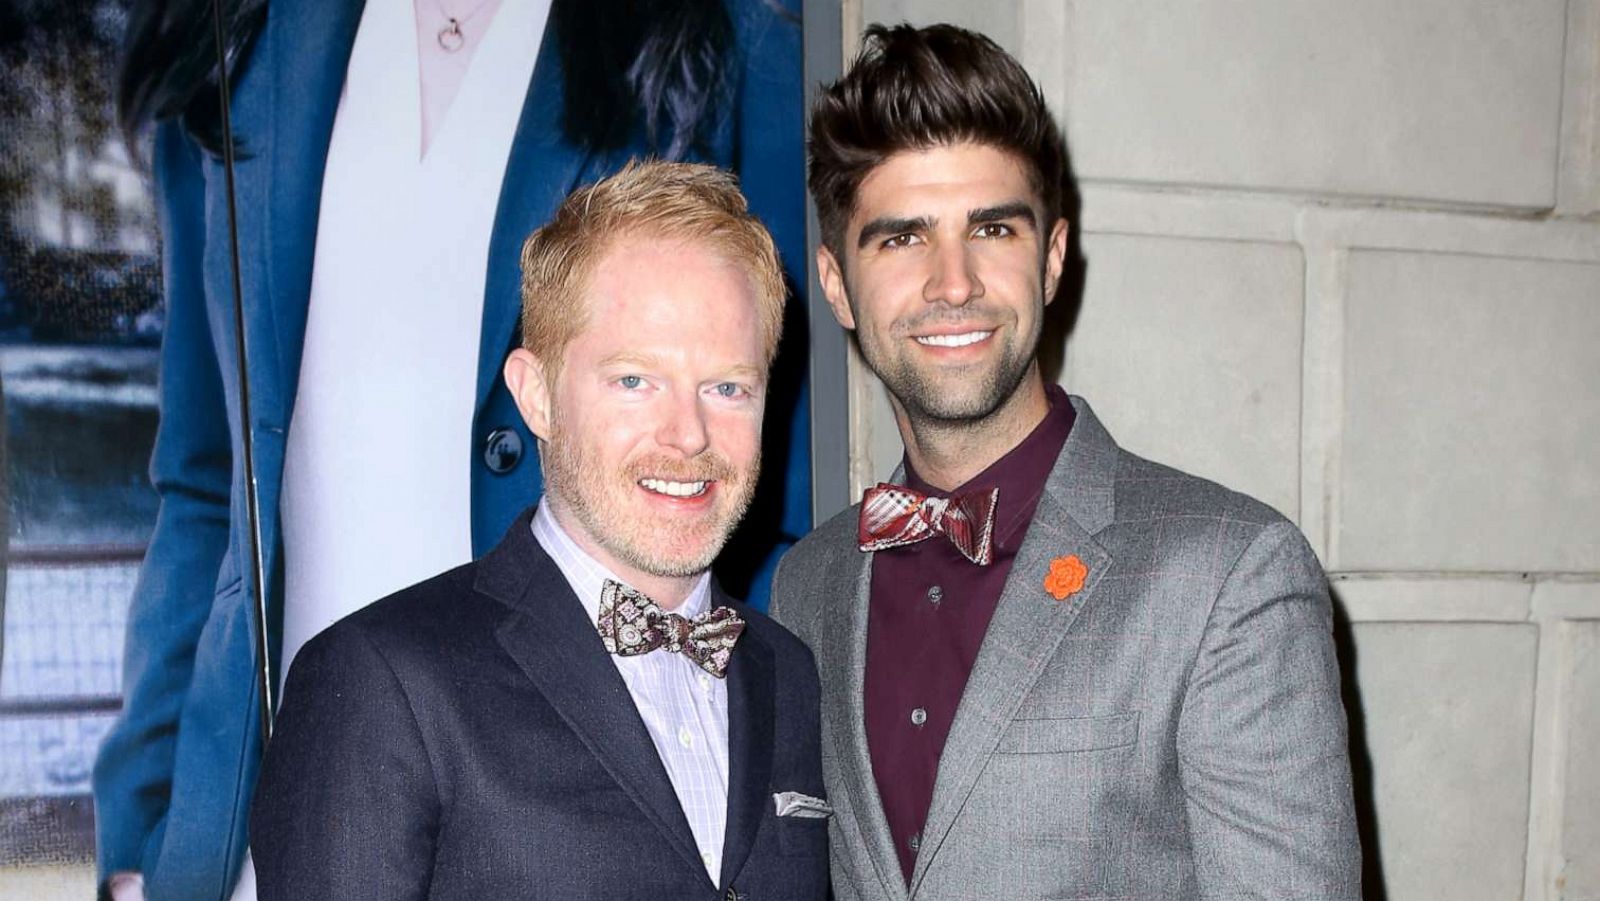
(843, 666)
(1028, 623)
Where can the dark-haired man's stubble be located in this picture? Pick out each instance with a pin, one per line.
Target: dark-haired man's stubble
(952, 406)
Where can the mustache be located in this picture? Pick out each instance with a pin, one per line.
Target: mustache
(707, 467)
(978, 317)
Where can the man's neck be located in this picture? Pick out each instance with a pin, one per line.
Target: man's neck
(669, 592)
(948, 454)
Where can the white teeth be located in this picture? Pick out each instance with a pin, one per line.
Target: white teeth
(674, 489)
(961, 340)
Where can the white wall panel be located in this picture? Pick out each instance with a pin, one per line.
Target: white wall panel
(1448, 709)
(1472, 414)
(1190, 353)
(1455, 100)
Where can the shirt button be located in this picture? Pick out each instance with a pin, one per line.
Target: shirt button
(915, 842)
(918, 717)
(705, 857)
(684, 738)
(935, 594)
(705, 682)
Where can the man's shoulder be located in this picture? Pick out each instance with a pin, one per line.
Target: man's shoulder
(411, 626)
(1148, 490)
(829, 541)
(1194, 524)
(802, 575)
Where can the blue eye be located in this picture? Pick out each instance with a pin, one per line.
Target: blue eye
(729, 389)
(630, 382)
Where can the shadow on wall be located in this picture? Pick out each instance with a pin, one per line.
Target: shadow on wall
(1372, 883)
(1062, 315)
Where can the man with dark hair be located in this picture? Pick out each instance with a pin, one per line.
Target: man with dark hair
(1051, 669)
(581, 712)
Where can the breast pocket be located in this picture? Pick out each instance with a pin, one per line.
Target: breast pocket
(1055, 781)
(1057, 736)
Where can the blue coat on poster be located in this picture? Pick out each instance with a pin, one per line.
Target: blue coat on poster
(174, 776)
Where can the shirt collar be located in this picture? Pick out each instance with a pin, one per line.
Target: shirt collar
(587, 576)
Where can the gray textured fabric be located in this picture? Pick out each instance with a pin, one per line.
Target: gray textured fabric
(1173, 730)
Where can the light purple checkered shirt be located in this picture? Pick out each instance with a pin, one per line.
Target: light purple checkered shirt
(683, 707)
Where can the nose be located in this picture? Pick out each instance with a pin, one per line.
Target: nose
(954, 280)
(683, 424)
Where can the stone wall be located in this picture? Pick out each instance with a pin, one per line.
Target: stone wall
(1344, 255)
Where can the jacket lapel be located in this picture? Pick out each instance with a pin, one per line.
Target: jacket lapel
(843, 665)
(309, 43)
(751, 708)
(310, 46)
(556, 646)
(1029, 623)
(542, 168)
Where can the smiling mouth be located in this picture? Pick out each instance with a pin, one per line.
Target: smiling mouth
(961, 340)
(674, 489)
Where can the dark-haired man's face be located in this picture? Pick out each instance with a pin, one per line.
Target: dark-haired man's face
(949, 272)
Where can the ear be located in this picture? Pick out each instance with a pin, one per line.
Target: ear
(831, 275)
(534, 395)
(1055, 256)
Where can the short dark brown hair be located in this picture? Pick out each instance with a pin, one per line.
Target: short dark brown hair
(691, 202)
(918, 88)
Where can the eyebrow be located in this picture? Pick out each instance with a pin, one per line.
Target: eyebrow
(884, 226)
(750, 373)
(1014, 210)
(629, 358)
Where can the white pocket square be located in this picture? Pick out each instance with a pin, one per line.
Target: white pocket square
(796, 804)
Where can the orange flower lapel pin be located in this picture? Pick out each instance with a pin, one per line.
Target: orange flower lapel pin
(1066, 577)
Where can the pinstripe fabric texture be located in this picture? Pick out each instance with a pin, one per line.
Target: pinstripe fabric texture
(683, 707)
(1173, 730)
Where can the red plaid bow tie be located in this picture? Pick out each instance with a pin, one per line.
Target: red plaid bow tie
(632, 624)
(893, 515)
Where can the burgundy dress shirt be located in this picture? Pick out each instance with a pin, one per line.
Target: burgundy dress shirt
(929, 610)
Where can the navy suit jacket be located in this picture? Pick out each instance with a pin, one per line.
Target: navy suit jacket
(173, 779)
(470, 738)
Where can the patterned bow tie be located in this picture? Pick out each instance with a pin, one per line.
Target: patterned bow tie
(893, 515)
(632, 624)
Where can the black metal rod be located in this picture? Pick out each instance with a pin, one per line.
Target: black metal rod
(265, 682)
(57, 707)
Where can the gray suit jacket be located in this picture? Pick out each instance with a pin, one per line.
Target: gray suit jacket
(1172, 730)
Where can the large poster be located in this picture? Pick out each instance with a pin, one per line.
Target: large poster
(83, 316)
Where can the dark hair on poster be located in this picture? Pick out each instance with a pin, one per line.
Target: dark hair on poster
(653, 64)
(169, 64)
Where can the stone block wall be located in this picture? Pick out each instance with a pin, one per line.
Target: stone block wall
(1344, 255)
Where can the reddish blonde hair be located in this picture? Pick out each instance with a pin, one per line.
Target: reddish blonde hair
(652, 199)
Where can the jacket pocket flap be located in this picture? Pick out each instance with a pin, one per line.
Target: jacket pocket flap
(1088, 733)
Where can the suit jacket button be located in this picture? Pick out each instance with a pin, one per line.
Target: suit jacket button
(730, 895)
(502, 451)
